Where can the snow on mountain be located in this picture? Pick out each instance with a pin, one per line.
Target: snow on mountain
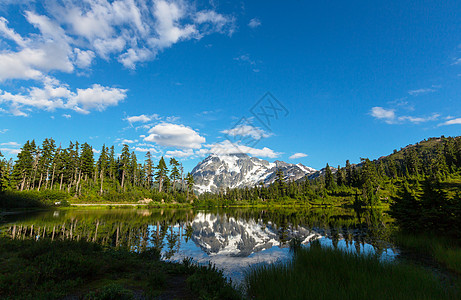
(218, 172)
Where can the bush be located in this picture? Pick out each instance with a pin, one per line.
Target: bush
(109, 292)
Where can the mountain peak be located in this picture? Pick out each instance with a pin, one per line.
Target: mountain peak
(237, 170)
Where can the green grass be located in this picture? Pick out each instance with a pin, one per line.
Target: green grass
(445, 251)
(326, 273)
(54, 270)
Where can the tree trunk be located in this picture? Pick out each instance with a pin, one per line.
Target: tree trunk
(60, 183)
(52, 176)
(77, 187)
(40, 182)
(102, 180)
(123, 179)
(46, 179)
(23, 182)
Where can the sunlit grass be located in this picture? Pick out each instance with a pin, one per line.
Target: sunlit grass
(443, 250)
(326, 273)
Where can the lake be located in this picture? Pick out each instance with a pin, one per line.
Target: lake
(232, 239)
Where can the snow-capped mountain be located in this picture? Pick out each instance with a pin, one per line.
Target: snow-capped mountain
(218, 172)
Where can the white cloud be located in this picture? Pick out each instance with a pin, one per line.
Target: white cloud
(421, 91)
(388, 115)
(97, 97)
(44, 52)
(417, 120)
(226, 147)
(142, 118)
(12, 144)
(173, 135)
(140, 149)
(125, 141)
(246, 130)
(457, 61)
(245, 58)
(11, 151)
(456, 121)
(255, 22)
(83, 58)
(2, 131)
(179, 153)
(298, 155)
(66, 116)
(96, 151)
(73, 32)
(55, 95)
(71, 35)
(10, 33)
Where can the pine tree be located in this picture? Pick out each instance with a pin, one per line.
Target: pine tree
(149, 168)
(174, 175)
(24, 166)
(340, 176)
(368, 180)
(329, 181)
(3, 174)
(348, 173)
(124, 163)
(280, 181)
(102, 166)
(190, 184)
(161, 174)
(133, 168)
(87, 160)
(112, 163)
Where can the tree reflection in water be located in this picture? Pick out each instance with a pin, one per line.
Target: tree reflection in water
(230, 232)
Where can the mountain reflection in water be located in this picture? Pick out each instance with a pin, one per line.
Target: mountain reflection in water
(232, 239)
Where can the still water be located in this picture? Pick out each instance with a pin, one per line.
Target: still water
(232, 239)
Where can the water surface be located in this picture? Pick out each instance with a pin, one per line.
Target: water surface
(232, 239)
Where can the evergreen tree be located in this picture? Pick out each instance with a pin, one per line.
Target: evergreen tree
(280, 181)
(23, 166)
(161, 174)
(329, 181)
(190, 184)
(174, 174)
(124, 164)
(87, 160)
(4, 175)
(368, 180)
(340, 180)
(112, 163)
(149, 168)
(103, 163)
(348, 173)
(134, 168)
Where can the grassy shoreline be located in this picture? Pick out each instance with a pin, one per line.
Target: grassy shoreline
(53, 270)
(327, 273)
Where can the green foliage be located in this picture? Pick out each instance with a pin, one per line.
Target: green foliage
(109, 292)
(427, 209)
(66, 269)
(209, 283)
(32, 199)
(326, 273)
(74, 172)
(444, 250)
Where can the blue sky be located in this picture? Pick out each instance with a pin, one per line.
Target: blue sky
(180, 78)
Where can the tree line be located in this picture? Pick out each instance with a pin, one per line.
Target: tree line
(369, 183)
(76, 171)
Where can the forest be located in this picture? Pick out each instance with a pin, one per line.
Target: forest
(420, 183)
(55, 174)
